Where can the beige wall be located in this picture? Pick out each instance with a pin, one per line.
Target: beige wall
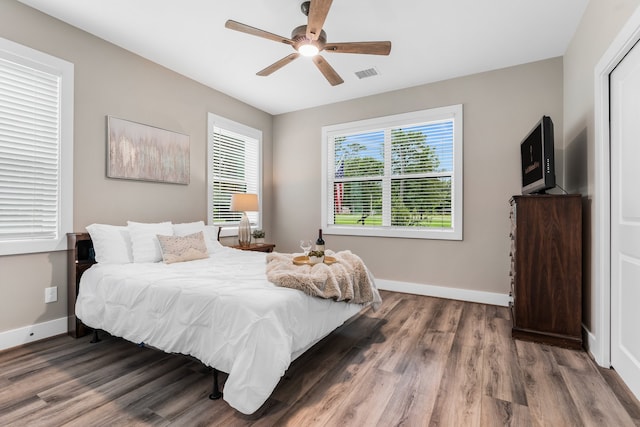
(112, 81)
(602, 21)
(500, 107)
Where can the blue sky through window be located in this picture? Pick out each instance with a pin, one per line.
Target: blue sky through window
(439, 135)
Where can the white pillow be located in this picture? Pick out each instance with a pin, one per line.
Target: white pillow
(111, 243)
(187, 228)
(211, 238)
(210, 233)
(144, 242)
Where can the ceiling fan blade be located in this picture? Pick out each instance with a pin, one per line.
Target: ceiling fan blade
(278, 64)
(327, 70)
(243, 28)
(318, 11)
(369, 48)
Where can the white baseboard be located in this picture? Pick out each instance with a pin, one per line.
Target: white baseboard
(594, 350)
(443, 292)
(27, 334)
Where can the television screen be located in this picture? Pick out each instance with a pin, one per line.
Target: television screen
(531, 151)
(536, 153)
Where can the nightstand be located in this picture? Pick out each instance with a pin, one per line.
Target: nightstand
(256, 247)
(80, 257)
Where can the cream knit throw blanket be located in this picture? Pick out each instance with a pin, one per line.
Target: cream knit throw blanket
(347, 280)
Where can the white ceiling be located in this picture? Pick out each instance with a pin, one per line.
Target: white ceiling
(431, 41)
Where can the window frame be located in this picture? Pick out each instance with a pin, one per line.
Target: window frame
(64, 71)
(213, 121)
(451, 112)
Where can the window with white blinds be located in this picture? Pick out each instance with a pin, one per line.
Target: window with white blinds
(233, 167)
(396, 176)
(36, 150)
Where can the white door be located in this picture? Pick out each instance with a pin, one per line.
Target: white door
(625, 219)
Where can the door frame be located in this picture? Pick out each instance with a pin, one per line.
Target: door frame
(600, 339)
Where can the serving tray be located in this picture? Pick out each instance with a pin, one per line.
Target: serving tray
(304, 260)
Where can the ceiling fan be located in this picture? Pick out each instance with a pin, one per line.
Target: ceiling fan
(310, 39)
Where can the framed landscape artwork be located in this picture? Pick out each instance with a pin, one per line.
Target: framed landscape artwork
(146, 153)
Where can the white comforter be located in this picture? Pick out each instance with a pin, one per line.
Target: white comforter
(221, 310)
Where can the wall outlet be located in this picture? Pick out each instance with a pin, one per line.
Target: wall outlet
(51, 294)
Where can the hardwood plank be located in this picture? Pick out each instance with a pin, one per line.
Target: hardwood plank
(471, 326)
(498, 413)
(28, 365)
(400, 341)
(173, 408)
(201, 413)
(370, 393)
(548, 396)
(460, 391)
(119, 417)
(110, 366)
(4, 382)
(463, 374)
(600, 408)
(498, 312)
(69, 409)
(389, 302)
(13, 414)
(622, 392)
(502, 376)
(424, 373)
(326, 354)
(8, 357)
(317, 406)
(417, 361)
(48, 375)
(137, 401)
(591, 391)
(446, 315)
(407, 407)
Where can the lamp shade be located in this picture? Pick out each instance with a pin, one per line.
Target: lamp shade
(243, 202)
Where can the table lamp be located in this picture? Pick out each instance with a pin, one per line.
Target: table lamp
(243, 202)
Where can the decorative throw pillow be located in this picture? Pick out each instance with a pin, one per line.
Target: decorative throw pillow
(144, 242)
(183, 248)
(111, 243)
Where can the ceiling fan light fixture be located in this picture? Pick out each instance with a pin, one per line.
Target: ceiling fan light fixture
(309, 40)
(308, 49)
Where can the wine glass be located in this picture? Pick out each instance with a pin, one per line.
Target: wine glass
(305, 245)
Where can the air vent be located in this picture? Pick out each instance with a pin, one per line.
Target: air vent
(370, 72)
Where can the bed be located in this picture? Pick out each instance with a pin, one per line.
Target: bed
(220, 309)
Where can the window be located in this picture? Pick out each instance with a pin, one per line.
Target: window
(36, 150)
(234, 160)
(396, 176)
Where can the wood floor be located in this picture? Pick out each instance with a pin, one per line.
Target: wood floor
(417, 361)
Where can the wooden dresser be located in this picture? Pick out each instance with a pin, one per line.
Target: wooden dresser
(546, 269)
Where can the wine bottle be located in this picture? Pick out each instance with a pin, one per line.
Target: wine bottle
(320, 242)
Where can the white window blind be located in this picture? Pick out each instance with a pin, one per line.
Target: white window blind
(234, 167)
(395, 176)
(32, 197)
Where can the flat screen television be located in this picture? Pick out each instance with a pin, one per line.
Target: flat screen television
(536, 153)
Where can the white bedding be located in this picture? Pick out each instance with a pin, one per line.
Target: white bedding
(221, 310)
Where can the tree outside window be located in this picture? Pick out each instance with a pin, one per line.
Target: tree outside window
(395, 180)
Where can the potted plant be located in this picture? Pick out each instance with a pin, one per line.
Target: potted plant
(258, 236)
(316, 257)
